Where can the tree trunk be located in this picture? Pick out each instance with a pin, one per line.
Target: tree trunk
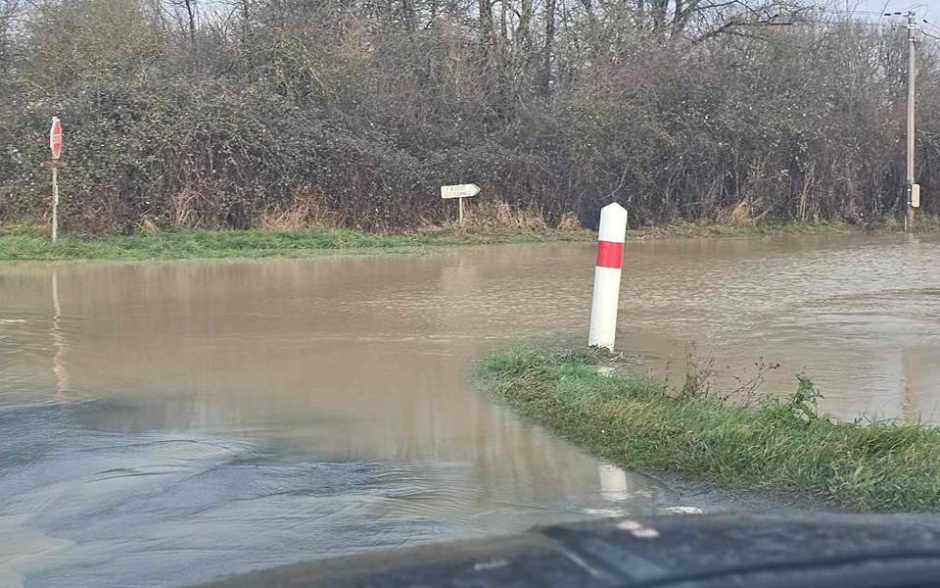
(245, 9)
(408, 15)
(523, 33)
(550, 6)
(678, 18)
(191, 14)
(486, 22)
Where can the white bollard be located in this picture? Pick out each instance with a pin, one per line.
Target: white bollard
(610, 238)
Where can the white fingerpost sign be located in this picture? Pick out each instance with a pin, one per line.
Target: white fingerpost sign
(459, 191)
(607, 270)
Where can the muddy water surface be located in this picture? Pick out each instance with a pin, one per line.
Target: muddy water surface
(163, 424)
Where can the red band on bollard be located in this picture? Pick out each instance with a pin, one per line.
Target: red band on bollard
(609, 254)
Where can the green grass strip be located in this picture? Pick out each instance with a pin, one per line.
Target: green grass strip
(31, 244)
(776, 446)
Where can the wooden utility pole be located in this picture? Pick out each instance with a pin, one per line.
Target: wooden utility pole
(911, 80)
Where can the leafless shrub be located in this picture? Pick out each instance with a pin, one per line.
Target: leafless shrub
(700, 374)
(748, 388)
(224, 116)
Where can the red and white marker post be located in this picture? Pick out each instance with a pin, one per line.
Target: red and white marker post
(55, 145)
(610, 238)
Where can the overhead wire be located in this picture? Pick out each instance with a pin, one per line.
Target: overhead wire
(851, 12)
(927, 28)
(934, 29)
(930, 24)
(867, 17)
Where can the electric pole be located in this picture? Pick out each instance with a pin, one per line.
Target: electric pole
(911, 80)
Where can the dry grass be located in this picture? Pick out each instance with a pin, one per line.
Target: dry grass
(488, 216)
(308, 209)
(496, 215)
(148, 227)
(739, 216)
(569, 222)
(184, 209)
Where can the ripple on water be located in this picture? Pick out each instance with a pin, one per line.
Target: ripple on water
(114, 504)
(192, 420)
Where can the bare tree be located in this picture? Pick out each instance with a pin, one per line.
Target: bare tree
(9, 11)
(549, 47)
(683, 109)
(189, 9)
(703, 19)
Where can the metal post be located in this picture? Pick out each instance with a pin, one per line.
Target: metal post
(460, 201)
(911, 79)
(55, 203)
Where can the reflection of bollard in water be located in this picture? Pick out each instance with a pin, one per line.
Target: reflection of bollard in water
(610, 238)
(613, 483)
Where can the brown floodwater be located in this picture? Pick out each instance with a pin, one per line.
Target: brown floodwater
(168, 423)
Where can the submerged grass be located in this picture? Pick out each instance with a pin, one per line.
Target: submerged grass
(26, 243)
(777, 446)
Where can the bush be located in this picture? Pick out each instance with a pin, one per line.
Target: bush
(256, 111)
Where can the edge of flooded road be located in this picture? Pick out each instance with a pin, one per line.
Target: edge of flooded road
(771, 448)
(30, 243)
(29, 266)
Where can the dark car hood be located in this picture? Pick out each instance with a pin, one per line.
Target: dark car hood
(690, 550)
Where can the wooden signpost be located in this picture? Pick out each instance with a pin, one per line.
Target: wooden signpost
(460, 191)
(55, 145)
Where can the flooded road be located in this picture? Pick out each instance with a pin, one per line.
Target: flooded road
(165, 423)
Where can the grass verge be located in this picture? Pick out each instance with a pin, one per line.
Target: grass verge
(688, 230)
(780, 446)
(31, 244)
